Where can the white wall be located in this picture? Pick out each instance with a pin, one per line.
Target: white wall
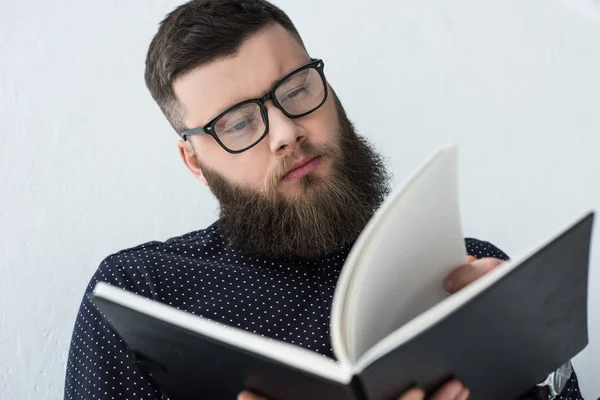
(89, 165)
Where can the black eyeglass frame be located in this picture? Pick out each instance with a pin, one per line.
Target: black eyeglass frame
(209, 128)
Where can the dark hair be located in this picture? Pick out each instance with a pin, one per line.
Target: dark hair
(197, 33)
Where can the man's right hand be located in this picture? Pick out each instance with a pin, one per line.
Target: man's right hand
(453, 390)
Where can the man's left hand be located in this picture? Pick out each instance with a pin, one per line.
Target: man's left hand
(470, 272)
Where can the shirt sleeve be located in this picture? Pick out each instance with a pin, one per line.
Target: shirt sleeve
(571, 390)
(481, 249)
(99, 365)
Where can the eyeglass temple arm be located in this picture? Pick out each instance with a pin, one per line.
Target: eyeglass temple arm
(195, 131)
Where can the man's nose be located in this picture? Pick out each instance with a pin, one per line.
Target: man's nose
(284, 134)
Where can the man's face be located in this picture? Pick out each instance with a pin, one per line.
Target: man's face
(268, 206)
(209, 90)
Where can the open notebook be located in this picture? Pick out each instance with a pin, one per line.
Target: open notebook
(392, 324)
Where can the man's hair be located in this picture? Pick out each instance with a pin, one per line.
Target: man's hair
(197, 33)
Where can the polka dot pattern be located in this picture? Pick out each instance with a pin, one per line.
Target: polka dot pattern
(284, 299)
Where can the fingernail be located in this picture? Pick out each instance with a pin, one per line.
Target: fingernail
(463, 395)
(454, 391)
(418, 396)
(415, 394)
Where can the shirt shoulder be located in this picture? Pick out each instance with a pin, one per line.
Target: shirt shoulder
(142, 268)
(481, 249)
(209, 235)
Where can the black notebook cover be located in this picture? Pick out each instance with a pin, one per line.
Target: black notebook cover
(509, 337)
(500, 344)
(190, 366)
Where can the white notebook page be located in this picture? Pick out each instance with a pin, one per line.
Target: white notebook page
(415, 240)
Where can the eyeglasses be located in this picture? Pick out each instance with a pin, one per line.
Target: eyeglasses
(244, 125)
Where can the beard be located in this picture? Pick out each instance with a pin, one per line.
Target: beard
(328, 213)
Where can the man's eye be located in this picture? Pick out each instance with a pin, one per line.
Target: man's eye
(239, 126)
(295, 93)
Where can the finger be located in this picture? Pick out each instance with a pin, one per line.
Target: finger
(468, 273)
(450, 391)
(470, 259)
(413, 394)
(464, 395)
(246, 395)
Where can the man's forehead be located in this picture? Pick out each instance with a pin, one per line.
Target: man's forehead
(262, 60)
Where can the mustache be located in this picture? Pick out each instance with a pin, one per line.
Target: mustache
(307, 149)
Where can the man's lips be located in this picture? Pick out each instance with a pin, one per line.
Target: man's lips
(302, 168)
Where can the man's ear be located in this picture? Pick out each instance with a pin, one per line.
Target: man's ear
(188, 156)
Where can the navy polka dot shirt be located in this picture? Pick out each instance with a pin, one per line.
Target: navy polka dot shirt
(283, 299)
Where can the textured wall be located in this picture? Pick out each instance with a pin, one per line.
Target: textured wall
(89, 166)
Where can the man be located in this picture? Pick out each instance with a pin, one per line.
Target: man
(262, 128)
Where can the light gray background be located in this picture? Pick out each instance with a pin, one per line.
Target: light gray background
(89, 165)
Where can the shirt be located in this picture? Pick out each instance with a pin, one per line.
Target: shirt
(202, 273)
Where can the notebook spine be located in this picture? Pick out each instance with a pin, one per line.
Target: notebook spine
(357, 389)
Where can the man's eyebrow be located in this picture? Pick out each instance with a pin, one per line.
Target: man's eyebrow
(276, 81)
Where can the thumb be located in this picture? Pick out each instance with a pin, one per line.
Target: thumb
(413, 394)
(246, 395)
(468, 273)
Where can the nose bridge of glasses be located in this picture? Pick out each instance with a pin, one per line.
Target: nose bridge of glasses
(266, 97)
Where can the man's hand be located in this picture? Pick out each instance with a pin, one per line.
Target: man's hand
(468, 273)
(452, 390)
